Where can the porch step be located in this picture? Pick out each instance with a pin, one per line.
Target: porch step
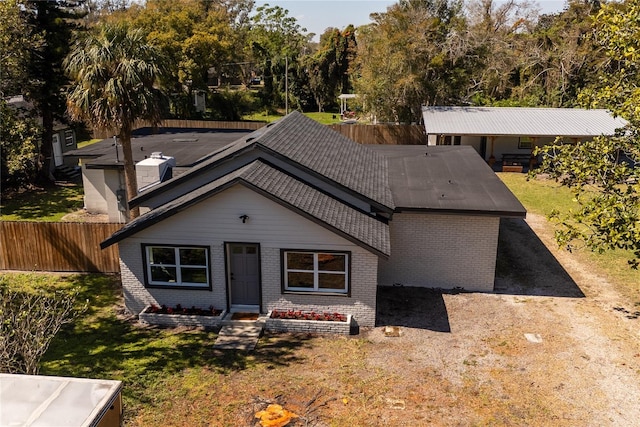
(238, 337)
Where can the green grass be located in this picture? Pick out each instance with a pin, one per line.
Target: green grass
(48, 205)
(324, 118)
(102, 345)
(539, 196)
(543, 196)
(160, 368)
(262, 117)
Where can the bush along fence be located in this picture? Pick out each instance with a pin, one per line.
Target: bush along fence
(57, 246)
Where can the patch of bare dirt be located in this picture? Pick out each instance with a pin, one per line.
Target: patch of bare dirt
(84, 216)
(548, 348)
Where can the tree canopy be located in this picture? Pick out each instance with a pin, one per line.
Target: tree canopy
(115, 75)
(605, 173)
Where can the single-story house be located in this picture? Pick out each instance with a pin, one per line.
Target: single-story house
(295, 215)
(508, 134)
(63, 138)
(103, 163)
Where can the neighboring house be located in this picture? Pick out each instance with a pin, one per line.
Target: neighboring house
(103, 163)
(63, 138)
(509, 134)
(296, 215)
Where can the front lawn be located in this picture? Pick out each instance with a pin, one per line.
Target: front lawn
(43, 204)
(174, 376)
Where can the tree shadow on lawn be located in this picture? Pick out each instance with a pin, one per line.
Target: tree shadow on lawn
(103, 344)
(116, 348)
(525, 266)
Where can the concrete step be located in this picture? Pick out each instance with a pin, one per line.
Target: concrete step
(250, 330)
(238, 337)
(235, 343)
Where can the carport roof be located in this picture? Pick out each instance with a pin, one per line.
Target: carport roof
(519, 121)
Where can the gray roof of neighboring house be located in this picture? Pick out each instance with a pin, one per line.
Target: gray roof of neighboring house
(330, 213)
(445, 179)
(315, 147)
(519, 121)
(187, 146)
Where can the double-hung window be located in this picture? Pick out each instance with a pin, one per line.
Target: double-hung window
(326, 272)
(177, 266)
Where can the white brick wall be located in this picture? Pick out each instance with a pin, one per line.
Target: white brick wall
(137, 297)
(441, 251)
(361, 304)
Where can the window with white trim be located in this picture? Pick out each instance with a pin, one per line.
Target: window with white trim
(177, 266)
(306, 271)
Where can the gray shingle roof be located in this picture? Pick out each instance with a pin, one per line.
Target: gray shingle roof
(519, 121)
(352, 224)
(451, 179)
(317, 148)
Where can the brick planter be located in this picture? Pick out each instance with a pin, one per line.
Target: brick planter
(310, 326)
(175, 320)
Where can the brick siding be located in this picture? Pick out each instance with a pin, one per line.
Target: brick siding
(441, 251)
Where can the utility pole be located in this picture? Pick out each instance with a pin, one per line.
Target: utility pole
(286, 85)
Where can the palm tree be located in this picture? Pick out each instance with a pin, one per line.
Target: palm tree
(115, 75)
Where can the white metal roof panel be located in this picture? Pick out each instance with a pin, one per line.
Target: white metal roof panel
(519, 121)
(36, 400)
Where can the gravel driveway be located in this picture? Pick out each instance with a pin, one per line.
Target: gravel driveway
(555, 345)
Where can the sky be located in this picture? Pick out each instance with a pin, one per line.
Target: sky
(316, 16)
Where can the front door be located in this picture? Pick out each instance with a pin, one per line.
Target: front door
(244, 274)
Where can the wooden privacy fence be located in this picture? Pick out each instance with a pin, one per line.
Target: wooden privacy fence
(57, 246)
(364, 134)
(383, 134)
(186, 124)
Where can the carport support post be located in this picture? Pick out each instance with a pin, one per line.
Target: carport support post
(532, 159)
(492, 158)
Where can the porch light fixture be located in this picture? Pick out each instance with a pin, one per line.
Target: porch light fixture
(244, 218)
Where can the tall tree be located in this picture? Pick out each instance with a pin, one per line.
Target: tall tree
(604, 173)
(412, 56)
(193, 36)
(329, 67)
(559, 56)
(54, 23)
(18, 148)
(115, 75)
(276, 40)
(18, 40)
(497, 35)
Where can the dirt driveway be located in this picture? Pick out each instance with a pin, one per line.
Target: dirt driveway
(555, 345)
